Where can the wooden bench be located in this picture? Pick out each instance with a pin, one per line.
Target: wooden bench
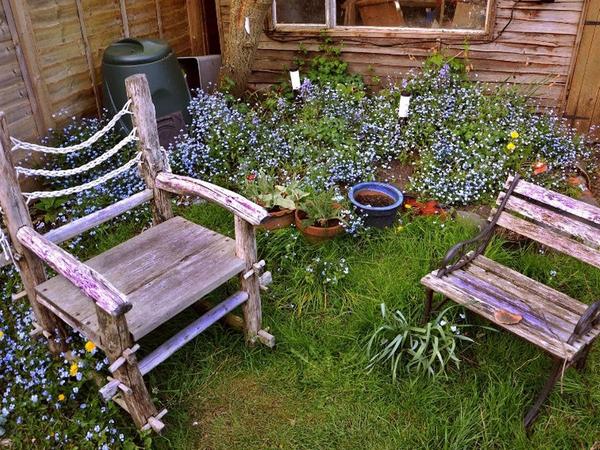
(118, 297)
(562, 326)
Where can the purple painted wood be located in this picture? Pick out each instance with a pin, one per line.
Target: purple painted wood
(165, 350)
(558, 201)
(237, 204)
(91, 283)
(550, 238)
(90, 221)
(486, 305)
(540, 319)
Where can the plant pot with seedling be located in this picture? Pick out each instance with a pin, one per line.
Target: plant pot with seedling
(377, 202)
(280, 201)
(319, 218)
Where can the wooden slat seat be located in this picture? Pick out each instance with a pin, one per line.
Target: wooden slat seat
(162, 271)
(562, 326)
(549, 316)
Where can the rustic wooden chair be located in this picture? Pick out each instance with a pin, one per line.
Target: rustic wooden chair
(563, 327)
(120, 296)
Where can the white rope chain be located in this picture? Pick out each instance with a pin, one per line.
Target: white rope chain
(5, 246)
(84, 187)
(17, 144)
(84, 168)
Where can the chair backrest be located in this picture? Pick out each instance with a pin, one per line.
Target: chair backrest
(150, 157)
(554, 220)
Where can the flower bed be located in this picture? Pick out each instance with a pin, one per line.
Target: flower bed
(463, 138)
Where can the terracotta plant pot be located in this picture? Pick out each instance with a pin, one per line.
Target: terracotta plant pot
(278, 219)
(318, 234)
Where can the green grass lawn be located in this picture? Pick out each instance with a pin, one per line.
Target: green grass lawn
(313, 391)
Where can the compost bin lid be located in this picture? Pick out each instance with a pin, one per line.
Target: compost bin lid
(131, 52)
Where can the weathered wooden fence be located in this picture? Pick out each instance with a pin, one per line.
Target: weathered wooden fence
(51, 52)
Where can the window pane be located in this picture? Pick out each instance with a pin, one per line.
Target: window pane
(413, 13)
(300, 11)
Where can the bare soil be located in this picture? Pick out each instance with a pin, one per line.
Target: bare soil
(368, 197)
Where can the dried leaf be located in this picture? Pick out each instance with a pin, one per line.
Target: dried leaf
(507, 318)
(539, 167)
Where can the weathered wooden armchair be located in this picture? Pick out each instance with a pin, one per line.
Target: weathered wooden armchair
(562, 326)
(118, 297)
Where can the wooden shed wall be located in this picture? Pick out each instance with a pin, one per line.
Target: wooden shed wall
(62, 42)
(538, 46)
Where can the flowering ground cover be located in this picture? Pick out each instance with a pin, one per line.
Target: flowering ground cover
(317, 389)
(462, 138)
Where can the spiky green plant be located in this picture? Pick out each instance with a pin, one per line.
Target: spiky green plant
(407, 348)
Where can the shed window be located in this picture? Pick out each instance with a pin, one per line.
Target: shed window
(468, 15)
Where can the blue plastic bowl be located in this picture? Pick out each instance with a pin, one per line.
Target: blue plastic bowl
(377, 216)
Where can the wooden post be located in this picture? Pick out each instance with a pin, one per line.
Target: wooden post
(153, 159)
(115, 340)
(31, 267)
(196, 19)
(245, 248)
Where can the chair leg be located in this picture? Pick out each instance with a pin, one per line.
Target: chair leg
(544, 393)
(116, 339)
(245, 245)
(136, 396)
(428, 305)
(582, 360)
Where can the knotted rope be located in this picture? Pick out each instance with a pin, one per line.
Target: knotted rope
(81, 169)
(17, 144)
(5, 246)
(85, 186)
(84, 168)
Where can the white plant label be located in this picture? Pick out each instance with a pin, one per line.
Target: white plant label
(404, 106)
(295, 79)
(247, 25)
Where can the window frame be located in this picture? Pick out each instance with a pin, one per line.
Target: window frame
(334, 30)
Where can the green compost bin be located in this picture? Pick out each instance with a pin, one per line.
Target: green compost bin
(155, 59)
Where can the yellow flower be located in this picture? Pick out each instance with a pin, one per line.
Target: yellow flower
(61, 397)
(408, 206)
(90, 346)
(399, 229)
(514, 134)
(73, 369)
(1, 335)
(510, 146)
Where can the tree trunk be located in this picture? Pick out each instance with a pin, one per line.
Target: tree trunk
(240, 46)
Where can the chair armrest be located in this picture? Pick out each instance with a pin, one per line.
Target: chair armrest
(484, 237)
(458, 252)
(237, 204)
(91, 283)
(589, 318)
